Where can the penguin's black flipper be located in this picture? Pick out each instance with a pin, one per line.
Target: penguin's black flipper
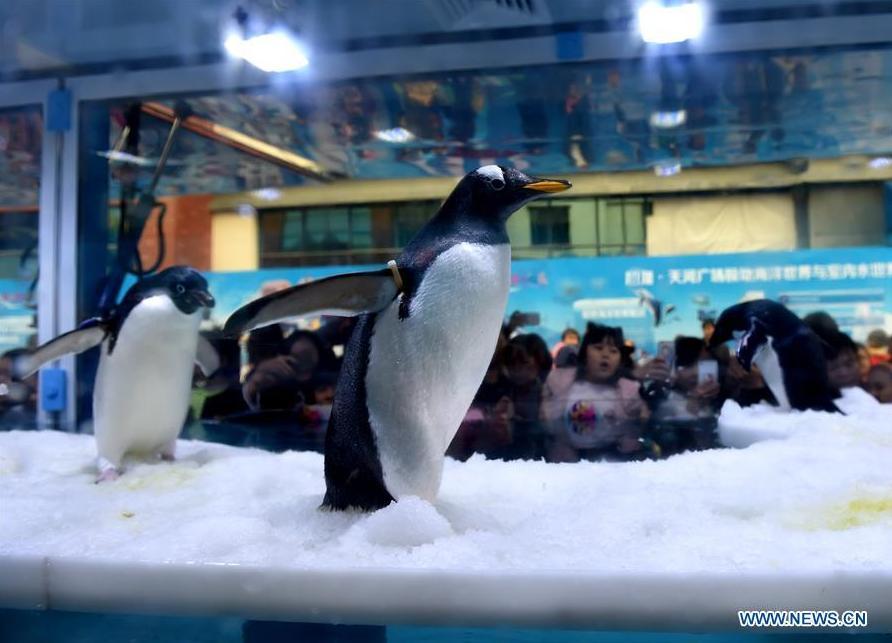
(750, 343)
(207, 357)
(90, 334)
(342, 295)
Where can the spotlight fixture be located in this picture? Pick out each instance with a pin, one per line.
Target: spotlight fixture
(273, 52)
(663, 22)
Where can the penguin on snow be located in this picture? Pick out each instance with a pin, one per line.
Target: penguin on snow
(149, 344)
(426, 332)
(787, 352)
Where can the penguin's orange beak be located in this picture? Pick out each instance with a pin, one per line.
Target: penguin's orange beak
(549, 185)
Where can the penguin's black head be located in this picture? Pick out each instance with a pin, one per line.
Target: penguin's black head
(186, 287)
(497, 192)
(734, 318)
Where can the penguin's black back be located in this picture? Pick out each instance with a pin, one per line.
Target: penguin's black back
(777, 317)
(353, 475)
(801, 358)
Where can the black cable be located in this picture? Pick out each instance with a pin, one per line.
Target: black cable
(23, 260)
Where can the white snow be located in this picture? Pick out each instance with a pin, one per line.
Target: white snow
(741, 427)
(819, 499)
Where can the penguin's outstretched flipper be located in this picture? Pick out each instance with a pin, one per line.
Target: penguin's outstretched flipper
(90, 334)
(342, 295)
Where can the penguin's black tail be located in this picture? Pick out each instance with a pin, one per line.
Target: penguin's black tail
(832, 408)
(829, 406)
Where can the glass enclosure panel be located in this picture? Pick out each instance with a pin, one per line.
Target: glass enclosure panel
(21, 137)
(675, 155)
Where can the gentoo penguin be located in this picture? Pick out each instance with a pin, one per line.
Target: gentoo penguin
(789, 355)
(426, 332)
(150, 342)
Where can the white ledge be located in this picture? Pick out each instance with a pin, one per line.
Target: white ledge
(663, 602)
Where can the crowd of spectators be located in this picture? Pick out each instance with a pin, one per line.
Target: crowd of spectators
(590, 396)
(585, 398)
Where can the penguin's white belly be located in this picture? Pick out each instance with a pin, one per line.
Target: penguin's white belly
(425, 370)
(767, 361)
(142, 390)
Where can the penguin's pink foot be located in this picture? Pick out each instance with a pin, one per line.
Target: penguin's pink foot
(168, 450)
(108, 472)
(108, 475)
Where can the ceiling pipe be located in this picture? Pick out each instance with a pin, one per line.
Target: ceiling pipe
(242, 142)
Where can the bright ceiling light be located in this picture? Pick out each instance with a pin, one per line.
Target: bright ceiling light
(879, 163)
(662, 23)
(271, 52)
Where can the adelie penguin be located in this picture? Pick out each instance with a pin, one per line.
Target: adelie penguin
(149, 345)
(427, 329)
(787, 352)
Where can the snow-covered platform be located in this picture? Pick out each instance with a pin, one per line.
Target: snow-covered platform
(800, 521)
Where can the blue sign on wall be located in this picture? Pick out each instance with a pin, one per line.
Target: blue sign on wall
(657, 298)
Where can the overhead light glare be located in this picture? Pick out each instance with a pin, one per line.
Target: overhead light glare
(246, 210)
(274, 52)
(267, 194)
(879, 163)
(661, 23)
(117, 156)
(395, 135)
(668, 119)
(667, 168)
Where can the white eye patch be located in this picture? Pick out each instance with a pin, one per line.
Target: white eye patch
(491, 172)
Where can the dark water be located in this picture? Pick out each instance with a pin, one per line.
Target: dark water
(19, 626)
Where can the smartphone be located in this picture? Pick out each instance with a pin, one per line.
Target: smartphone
(528, 319)
(666, 352)
(707, 371)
